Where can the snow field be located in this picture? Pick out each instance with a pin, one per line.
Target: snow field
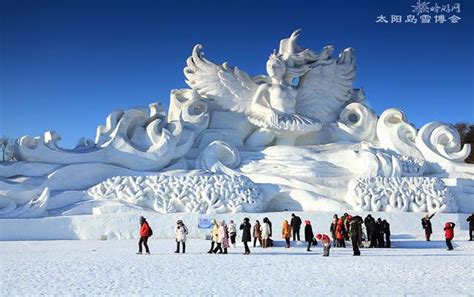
(111, 268)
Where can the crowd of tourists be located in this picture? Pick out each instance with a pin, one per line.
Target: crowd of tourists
(365, 232)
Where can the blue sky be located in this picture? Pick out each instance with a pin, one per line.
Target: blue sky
(65, 65)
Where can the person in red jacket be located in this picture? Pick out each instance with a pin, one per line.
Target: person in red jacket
(340, 232)
(145, 232)
(326, 242)
(449, 234)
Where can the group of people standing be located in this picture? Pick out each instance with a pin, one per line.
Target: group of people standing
(260, 233)
(448, 229)
(222, 235)
(377, 233)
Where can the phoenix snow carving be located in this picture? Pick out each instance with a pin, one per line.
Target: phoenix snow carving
(282, 109)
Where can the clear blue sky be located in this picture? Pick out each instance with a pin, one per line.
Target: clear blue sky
(65, 65)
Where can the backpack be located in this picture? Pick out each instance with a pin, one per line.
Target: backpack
(150, 233)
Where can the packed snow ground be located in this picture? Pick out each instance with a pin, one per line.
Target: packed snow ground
(112, 268)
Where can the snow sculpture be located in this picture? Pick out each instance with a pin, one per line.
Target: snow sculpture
(299, 138)
(32, 209)
(419, 194)
(137, 139)
(194, 192)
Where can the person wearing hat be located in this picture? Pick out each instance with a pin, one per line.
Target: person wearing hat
(144, 232)
(308, 234)
(181, 231)
(426, 224)
(449, 234)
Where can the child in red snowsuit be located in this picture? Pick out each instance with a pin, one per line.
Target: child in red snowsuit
(449, 234)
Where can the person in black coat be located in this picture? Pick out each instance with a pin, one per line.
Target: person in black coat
(470, 219)
(386, 231)
(426, 224)
(380, 240)
(295, 223)
(308, 235)
(368, 226)
(356, 234)
(246, 234)
(375, 231)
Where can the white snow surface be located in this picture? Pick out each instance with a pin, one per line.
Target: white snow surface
(112, 268)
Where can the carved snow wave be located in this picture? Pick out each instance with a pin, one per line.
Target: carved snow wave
(203, 192)
(138, 139)
(403, 194)
(32, 209)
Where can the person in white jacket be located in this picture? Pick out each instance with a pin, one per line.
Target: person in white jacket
(222, 239)
(265, 233)
(181, 231)
(232, 232)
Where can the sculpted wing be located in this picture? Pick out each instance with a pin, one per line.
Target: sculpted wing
(326, 88)
(229, 87)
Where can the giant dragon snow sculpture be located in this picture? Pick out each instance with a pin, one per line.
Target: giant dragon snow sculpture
(299, 138)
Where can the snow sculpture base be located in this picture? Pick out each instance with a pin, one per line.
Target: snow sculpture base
(415, 194)
(194, 192)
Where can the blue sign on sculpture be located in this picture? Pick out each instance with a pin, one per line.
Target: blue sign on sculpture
(204, 223)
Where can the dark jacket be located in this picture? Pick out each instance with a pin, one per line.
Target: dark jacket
(375, 228)
(246, 227)
(368, 221)
(332, 229)
(356, 230)
(470, 219)
(426, 223)
(295, 222)
(308, 233)
(386, 227)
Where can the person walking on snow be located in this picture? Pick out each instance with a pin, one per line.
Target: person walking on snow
(144, 232)
(265, 233)
(286, 232)
(295, 223)
(426, 224)
(232, 232)
(308, 234)
(181, 231)
(214, 234)
(470, 219)
(356, 234)
(449, 234)
(222, 239)
(246, 236)
(257, 233)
